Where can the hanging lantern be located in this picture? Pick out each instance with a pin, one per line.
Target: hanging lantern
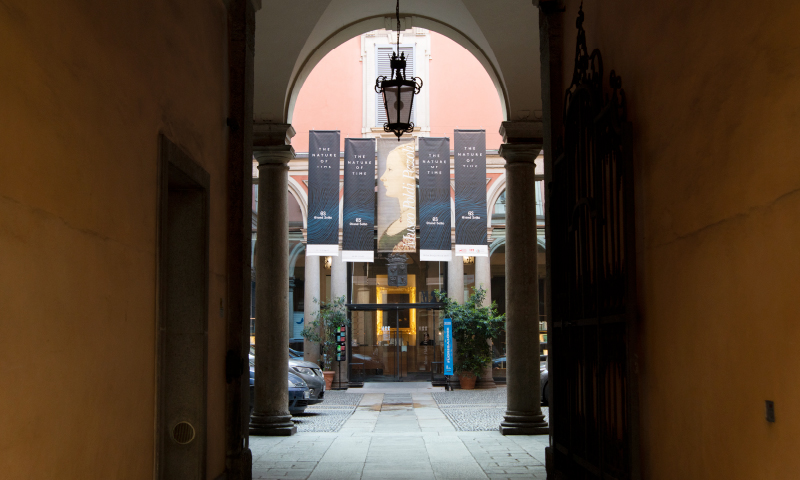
(398, 92)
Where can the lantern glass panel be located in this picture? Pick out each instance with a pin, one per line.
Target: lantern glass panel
(398, 99)
(405, 103)
(390, 94)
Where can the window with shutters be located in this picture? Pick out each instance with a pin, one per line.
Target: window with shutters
(383, 67)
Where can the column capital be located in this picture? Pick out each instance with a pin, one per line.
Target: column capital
(520, 152)
(273, 154)
(522, 132)
(266, 134)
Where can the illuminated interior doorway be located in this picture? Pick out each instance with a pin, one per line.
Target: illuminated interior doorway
(396, 330)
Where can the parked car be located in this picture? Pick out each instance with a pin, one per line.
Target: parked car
(544, 385)
(308, 371)
(312, 374)
(298, 392)
(500, 362)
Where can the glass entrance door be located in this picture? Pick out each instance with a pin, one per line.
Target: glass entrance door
(395, 325)
(395, 344)
(377, 347)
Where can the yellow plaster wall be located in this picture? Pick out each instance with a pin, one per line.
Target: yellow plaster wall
(85, 88)
(714, 96)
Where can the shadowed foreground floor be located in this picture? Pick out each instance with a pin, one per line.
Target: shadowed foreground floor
(398, 431)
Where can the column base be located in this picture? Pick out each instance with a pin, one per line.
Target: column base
(272, 425)
(524, 423)
(485, 383)
(486, 380)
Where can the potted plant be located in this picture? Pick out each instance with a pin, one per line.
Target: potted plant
(473, 325)
(330, 317)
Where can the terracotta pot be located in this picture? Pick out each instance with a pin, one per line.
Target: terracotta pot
(467, 380)
(328, 378)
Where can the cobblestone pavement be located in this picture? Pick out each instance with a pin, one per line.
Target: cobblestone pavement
(330, 415)
(475, 410)
(395, 440)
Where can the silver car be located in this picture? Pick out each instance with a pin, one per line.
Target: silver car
(312, 374)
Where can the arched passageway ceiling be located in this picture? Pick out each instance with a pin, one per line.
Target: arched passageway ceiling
(291, 37)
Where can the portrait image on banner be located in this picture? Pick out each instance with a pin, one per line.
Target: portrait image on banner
(323, 193)
(434, 199)
(469, 155)
(397, 195)
(358, 219)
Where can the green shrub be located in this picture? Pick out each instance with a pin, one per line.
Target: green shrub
(473, 326)
(329, 318)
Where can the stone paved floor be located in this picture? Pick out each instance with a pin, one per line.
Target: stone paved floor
(400, 440)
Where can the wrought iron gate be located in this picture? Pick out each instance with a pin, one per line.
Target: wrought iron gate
(593, 411)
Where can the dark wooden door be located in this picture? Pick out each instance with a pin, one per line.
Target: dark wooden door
(593, 280)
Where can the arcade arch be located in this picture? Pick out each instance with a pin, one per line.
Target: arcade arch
(307, 31)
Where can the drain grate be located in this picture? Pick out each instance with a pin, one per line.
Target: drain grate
(183, 433)
(397, 399)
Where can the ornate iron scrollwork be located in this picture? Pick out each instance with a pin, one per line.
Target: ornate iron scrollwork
(593, 276)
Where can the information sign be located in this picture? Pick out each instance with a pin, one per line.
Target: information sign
(448, 346)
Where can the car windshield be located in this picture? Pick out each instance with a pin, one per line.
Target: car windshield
(292, 353)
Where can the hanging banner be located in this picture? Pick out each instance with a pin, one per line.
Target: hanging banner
(448, 346)
(323, 193)
(397, 196)
(470, 179)
(434, 199)
(358, 220)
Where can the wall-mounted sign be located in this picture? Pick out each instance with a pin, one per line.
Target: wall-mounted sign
(470, 180)
(358, 219)
(397, 195)
(323, 193)
(434, 199)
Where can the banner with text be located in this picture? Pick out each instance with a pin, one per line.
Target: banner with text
(434, 199)
(397, 196)
(448, 346)
(323, 193)
(469, 155)
(358, 220)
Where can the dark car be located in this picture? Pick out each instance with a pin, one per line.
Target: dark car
(298, 392)
(308, 371)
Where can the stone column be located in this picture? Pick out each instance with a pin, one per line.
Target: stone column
(339, 289)
(310, 308)
(241, 26)
(524, 411)
(483, 278)
(455, 278)
(455, 290)
(271, 402)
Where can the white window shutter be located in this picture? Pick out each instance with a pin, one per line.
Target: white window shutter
(384, 68)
